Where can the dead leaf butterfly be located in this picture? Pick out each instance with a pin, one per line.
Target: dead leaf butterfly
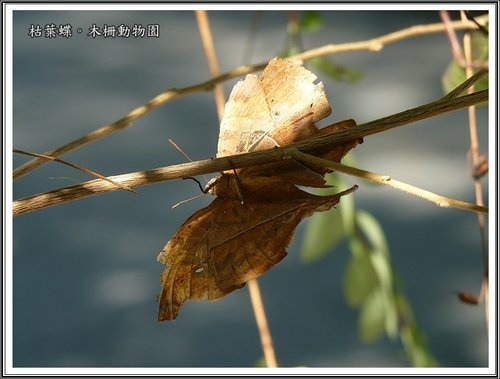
(224, 245)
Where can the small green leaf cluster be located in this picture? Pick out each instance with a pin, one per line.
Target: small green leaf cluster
(370, 283)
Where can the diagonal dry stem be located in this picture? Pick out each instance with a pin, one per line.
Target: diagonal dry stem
(309, 146)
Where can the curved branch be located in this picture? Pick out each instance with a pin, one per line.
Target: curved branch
(378, 43)
(386, 180)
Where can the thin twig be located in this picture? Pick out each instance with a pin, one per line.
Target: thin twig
(213, 64)
(79, 168)
(375, 44)
(260, 317)
(378, 43)
(475, 157)
(140, 178)
(386, 180)
(313, 146)
(456, 50)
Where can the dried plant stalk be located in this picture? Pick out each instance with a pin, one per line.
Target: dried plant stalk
(309, 146)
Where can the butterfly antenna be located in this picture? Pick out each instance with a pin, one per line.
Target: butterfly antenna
(199, 184)
(172, 142)
(185, 201)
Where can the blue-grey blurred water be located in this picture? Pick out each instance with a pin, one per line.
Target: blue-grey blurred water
(85, 273)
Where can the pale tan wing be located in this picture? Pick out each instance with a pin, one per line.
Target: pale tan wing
(295, 101)
(291, 93)
(246, 118)
(277, 108)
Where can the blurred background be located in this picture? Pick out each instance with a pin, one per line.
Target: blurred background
(85, 273)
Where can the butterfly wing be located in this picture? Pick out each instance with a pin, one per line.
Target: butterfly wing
(246, 119)
(222, 246)
(275, 109)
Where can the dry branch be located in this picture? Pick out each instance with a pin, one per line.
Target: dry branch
(310, 146)
(378, 43)
(442, 201)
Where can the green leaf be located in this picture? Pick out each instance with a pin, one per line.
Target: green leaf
(371, 322)
(335, 71)
(311, 21)
(323, 232)
(356, 246)
(347, 213)
(360, 279)
(383, 269)
(346, 205)
(372, 230)
(391, 315)
(326, 230)
(479, 44)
